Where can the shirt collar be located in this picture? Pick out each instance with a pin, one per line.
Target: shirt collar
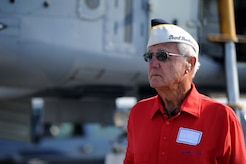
(191, 103)
(157, 106)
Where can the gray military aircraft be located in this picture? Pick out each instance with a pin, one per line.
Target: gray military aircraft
(80, 55)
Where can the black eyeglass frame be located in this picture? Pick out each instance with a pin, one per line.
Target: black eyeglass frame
(161, 55)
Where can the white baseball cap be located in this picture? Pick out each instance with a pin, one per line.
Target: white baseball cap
(162, 32)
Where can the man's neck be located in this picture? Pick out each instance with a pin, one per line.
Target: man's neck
(174, 96)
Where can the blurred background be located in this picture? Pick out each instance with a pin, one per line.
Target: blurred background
(70, 71)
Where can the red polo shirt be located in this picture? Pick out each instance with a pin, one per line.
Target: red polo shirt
(203, 132)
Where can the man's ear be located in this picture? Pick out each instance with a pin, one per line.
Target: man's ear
(191, 62)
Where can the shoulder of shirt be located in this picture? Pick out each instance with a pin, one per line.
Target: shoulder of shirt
(211, 101)
(149, 99)
(219, 107)
(144, 102)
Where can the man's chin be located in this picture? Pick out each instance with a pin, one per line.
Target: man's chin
(154, 85)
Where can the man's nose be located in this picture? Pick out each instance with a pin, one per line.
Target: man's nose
(154, 62)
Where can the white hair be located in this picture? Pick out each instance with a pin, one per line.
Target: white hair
(188, 50)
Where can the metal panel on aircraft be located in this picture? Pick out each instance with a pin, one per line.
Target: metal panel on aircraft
(126, 26)
(16, 120)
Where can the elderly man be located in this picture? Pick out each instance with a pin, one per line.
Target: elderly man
(180, 125)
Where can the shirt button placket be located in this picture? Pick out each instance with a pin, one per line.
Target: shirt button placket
(165, 131)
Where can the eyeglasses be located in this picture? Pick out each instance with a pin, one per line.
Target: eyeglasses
(161, 55)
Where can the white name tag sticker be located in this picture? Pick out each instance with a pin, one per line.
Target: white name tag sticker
(189, 136)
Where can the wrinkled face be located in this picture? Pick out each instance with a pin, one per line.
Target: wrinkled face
(169, 72)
